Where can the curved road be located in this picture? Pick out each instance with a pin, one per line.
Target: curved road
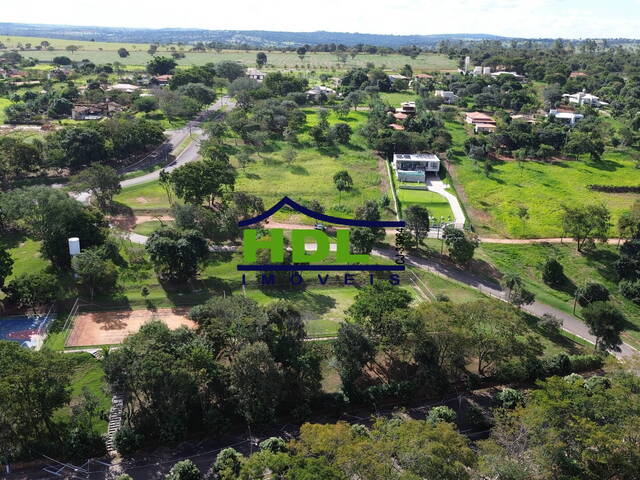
(190, 153)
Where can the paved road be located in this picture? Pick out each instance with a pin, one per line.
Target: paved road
(190, 153)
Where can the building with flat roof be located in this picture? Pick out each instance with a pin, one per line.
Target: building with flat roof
(415, 167)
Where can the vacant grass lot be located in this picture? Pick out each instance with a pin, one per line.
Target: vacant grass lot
(492, 201)
(527, 260)
(310, 176)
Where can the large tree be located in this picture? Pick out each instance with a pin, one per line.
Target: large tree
(586, 223)
(101, 181)
(161, 65)
(177, 255)
(206, 179)
(606, 323)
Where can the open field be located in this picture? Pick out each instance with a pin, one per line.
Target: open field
(106, 52)
(527, 261)
(543, 188)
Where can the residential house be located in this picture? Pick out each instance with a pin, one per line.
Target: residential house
(415, 167)
(394, 76)
(583, 98)
(578, 75)
(316, 92)
(447, 96)
(565, 117)
(482, 123)
(408, 108)
(396, 126)
(124, 87)
(255, 74)
(95, 111)
(162, 80)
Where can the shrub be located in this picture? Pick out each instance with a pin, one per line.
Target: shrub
(592, 292)
(127, 440)
(274, 445)
(553, 273)
(441, 414)
(597, 383)
(631, 290)
(557, 365)
(510, 398)
(582, 363)
(550, 322)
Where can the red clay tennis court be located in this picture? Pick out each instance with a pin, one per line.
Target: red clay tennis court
(112, 327)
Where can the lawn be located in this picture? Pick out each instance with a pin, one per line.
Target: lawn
(26, 257)
(147, 228)
(527, 260)
(145, 196)
(492, 201)
(396, 98)
(437, 205)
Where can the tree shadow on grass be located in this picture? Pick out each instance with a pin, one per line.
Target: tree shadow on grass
(554, 336)
(603, 261)
(13, 239)
(329, 150)
(603, 164)
(252, 176)
(308, 301)
(354, 148)
(298, 170)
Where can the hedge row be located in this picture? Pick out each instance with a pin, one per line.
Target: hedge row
(536, 369)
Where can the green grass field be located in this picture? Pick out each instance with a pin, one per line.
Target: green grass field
(145, 196)
(436, 204)
(527, 260)
(106, 52)
(543, 188)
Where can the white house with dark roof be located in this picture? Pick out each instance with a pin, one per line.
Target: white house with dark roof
(415, 167)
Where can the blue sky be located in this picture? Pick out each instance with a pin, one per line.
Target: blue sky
(525, 18)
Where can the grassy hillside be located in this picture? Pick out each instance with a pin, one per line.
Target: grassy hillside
(492, 201)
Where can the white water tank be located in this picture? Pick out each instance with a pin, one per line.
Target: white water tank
(74, 246)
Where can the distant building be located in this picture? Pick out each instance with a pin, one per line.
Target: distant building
(255, 74)
(393, 77)
(578, 75)
(583, 98)
(446, 95)
(316, 92)
(415, 167)
(567, 118)
(124, 87)
(162, 80)
(95, 111)
(408, 108)
(517, 76)
(422, 76)
(396, 126)
(467, 64)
